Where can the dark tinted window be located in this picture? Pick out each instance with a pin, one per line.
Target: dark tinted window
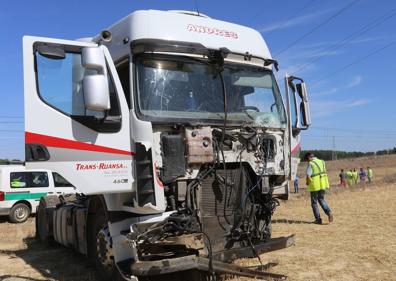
(38, 179)
(18, 180)
(60, 181)
(28, 179)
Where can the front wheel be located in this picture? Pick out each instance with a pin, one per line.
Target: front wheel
(101, 249)
(19, 213)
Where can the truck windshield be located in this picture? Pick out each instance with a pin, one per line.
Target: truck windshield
(183, 89)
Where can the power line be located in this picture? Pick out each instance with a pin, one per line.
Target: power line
(294, 15)
(366, 28)
(339, 12)
(354, 62)
(11, 122)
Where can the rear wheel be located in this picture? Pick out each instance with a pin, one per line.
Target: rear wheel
(19, 213)
(44, 213)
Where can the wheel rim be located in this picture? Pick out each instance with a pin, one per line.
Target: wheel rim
(104, 248)
(21, 213)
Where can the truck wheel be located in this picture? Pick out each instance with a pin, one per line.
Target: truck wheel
(102, 254)
(44, 218)
(19, 213)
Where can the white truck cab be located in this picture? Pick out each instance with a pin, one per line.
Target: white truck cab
(21, 190)
(173, 128)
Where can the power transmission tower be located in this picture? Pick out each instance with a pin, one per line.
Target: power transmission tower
(334, 151)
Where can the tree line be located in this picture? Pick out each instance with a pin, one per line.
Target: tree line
(322, 154)
(10, 161)
(328, 154)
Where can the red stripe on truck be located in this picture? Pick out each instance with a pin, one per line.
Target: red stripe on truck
(296, 150)
(71, 144)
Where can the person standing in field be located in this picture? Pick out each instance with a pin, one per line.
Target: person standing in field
(355, 176)
(369, 174)
(362, 175)
(350, 177)
(317, 182)
(343, 177)
(296, 184)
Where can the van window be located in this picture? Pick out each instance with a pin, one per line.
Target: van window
(38, 179)
(60, 181)
(18, 180)
(28, 179)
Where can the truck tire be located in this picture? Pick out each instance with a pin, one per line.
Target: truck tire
(19, 213)
(105, 269)
(45, 209)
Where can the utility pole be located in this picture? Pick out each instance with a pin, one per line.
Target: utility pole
(334, 152)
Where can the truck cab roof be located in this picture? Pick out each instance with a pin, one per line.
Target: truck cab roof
(183, 26)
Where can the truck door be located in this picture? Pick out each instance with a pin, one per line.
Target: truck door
(76, 115)
(298, 118)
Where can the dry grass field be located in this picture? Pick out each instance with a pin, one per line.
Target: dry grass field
(384, 167)
(359, 245)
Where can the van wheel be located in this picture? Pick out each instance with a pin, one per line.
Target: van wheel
(19, 213)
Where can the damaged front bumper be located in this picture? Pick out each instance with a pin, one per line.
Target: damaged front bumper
(219, 263)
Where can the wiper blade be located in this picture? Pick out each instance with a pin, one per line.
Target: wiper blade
(250, 116)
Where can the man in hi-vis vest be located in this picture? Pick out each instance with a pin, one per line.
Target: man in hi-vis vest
(317, 183)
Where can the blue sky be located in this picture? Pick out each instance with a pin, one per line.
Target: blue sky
(355, 105)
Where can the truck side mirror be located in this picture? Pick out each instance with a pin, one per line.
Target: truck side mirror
(304, 105)
(95, 83)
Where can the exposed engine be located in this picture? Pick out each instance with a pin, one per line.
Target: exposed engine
(219, 186)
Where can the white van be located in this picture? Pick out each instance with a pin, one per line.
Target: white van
(21, 190)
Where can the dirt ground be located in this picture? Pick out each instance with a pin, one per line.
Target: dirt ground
(359, 245)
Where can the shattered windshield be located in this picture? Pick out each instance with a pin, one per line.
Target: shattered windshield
(188, 89)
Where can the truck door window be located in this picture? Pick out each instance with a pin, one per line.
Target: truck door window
(60, 86)
(60, 181)
(293, 107)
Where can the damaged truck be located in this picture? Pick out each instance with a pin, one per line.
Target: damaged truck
(172, 127)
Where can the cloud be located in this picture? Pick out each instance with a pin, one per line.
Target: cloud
(355, 81)
(326, 108)
(358, 102)
(325, 93)
(301, 20)
(303, 54)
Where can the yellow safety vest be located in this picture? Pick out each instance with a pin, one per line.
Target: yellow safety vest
(319, 179)
(16, 183)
